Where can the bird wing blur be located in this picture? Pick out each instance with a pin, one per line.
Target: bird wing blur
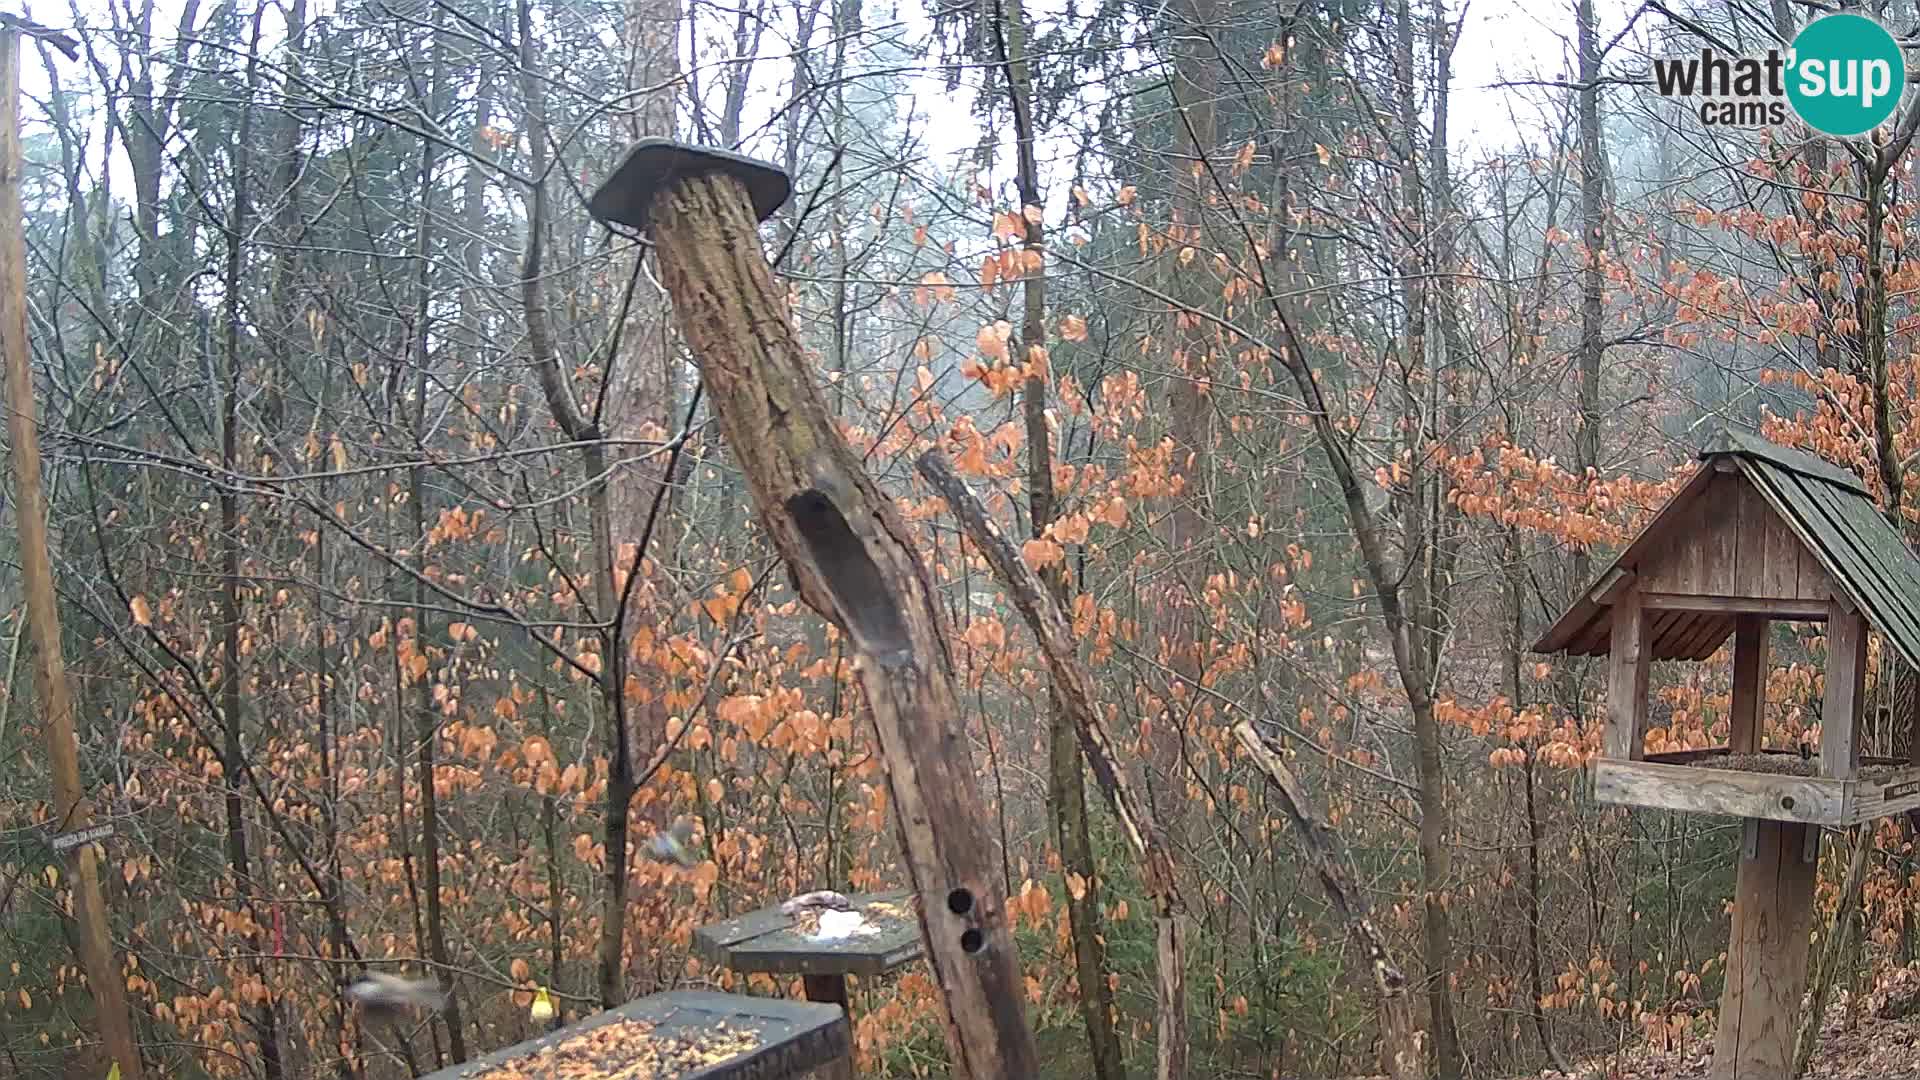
(383, 996)
(819, 898)
(671, 844)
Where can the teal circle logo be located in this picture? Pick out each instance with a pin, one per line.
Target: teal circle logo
(1846, 75)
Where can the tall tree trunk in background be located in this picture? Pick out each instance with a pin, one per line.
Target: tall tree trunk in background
(1416, 422)
(1190, 417)
(557, 387)
(1593, 237)
(1066, 786)
(1196, 81)
(426, 711)
(232, 680)
(639, 398)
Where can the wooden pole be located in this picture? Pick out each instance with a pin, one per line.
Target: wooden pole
(72, 813)
(1627, 656)
(1767, 956)
(1840, 711)
(851, 557)
(1749, 712)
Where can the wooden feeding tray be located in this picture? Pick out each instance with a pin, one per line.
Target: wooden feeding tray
(1776, 785)
(679, 1035)
(769, 940)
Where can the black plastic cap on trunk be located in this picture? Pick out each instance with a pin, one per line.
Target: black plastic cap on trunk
(654, 165)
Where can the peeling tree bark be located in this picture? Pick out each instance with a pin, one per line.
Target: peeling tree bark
(1400, 1046)
(852, 559)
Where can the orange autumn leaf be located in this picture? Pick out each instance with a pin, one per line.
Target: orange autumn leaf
(1043, 553)
(142, 614)
(1073, 328)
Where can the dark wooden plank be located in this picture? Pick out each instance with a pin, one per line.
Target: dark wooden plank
(793, 1036)
(1750, 537)
(1817, 523)
(1661, 629)
(1676, 565)
(1591, 639)
(1718, 629)
(1783, 555)
(1845, 693)
(1773, 607)
(1748, 714)
(1782, 496)
(1685, 757)
(1719, 536)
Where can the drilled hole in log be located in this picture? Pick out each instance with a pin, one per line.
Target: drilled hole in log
(959, 901)
(1786, 802)
(872, 613)
(972, 940)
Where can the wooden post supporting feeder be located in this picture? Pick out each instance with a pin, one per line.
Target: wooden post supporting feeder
(851, 559)
(1759, 533)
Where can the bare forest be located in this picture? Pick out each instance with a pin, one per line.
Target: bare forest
(1314, 355)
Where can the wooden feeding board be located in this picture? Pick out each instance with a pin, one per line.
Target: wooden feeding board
(768, 940)
(679, 1035)
(1773, 785)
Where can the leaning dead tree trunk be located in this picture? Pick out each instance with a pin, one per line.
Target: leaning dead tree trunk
(1073, 690)
(851, 559)
(1400, 1045)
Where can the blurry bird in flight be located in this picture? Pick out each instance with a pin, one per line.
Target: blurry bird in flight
(673, 844)
(386, 997)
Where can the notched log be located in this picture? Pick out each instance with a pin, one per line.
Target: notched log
(869, 608)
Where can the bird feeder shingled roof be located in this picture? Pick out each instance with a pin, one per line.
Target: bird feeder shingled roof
(1722, 534)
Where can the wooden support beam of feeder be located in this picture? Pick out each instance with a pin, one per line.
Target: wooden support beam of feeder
(1627, 657)
(852, 559)
(1846, 692)
(1749, 711)
(1767, 956)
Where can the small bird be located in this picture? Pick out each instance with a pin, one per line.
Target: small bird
(819, 899)
(386, 997)
(672, 844)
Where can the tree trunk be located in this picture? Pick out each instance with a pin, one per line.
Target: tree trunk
(1066, 785)
(72, 810)
(852, 560)
(265, 1020)
(610, 680)
(1073, 690)
(426, 718)
(1593, 236)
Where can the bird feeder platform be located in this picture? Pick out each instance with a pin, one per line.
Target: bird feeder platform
(768, 940)
(1759, 533)
(679, 1035)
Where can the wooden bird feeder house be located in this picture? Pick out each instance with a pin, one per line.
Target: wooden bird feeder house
(1759, 533)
